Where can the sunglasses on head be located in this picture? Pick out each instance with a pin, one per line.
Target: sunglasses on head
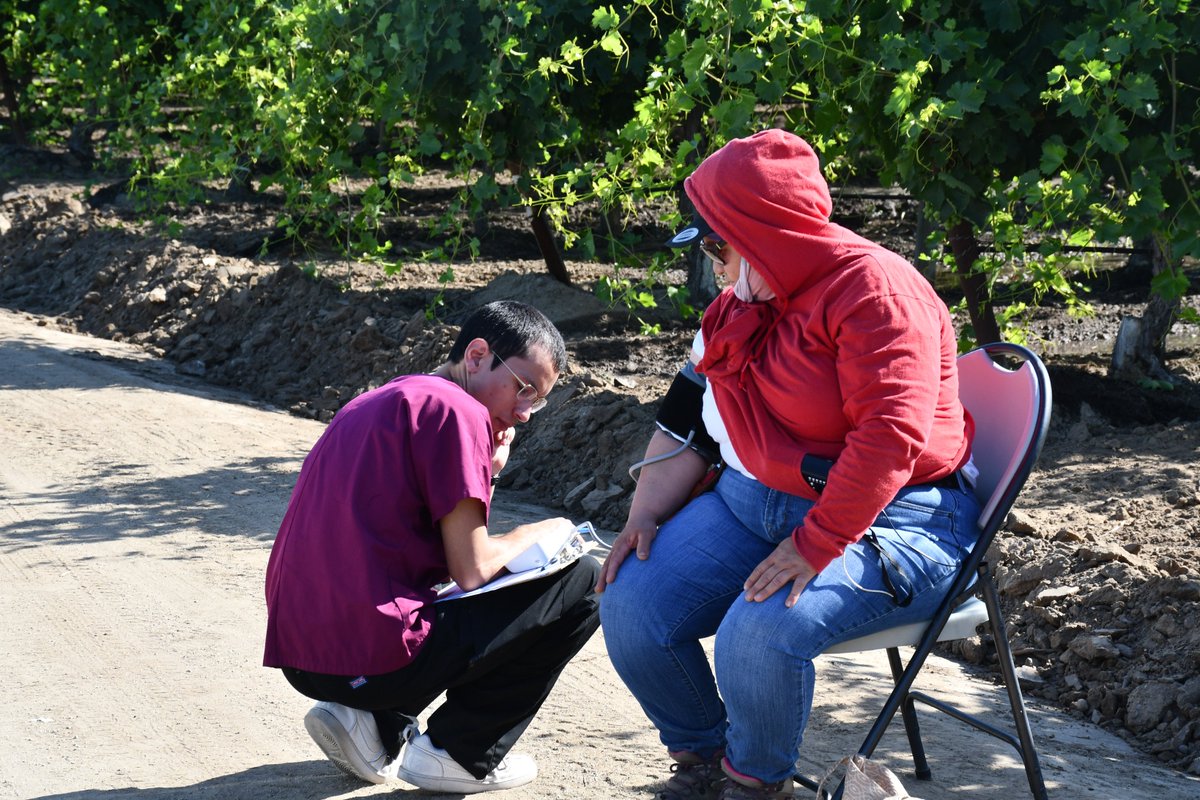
(712, 246)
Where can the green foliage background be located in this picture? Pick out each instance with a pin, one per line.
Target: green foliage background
(1036, 127)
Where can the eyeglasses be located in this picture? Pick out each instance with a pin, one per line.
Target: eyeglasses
(528, 392)
(711, 246)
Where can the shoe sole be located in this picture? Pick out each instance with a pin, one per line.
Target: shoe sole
(334, 741)
(451, 786)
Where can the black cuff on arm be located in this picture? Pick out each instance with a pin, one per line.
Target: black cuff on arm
(680, 413)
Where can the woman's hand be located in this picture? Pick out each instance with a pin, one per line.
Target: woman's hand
(636, 536)
(662, 489)
(501, 448)
(783, 565)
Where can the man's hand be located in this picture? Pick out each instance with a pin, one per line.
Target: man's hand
(783, 565)
(501, 448)
(636, 536)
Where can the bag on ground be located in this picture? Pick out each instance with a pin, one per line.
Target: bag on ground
(865, 780)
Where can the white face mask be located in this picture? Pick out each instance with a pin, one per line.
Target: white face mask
(750, 286)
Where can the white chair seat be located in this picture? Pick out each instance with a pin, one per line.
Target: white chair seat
(962, 624)
(1011, 410)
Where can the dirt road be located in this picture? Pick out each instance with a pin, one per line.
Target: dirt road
(137, 509)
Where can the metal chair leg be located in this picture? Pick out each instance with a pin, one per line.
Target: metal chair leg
(1029, 756)
(1023, 741)
(911, 726)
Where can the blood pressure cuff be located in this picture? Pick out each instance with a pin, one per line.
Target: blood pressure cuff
(680, 413)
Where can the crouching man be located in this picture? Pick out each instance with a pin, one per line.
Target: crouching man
(393, 500)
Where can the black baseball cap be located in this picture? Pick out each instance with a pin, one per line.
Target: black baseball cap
(696, 230)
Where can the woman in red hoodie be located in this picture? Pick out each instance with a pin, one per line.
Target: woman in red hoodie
(824, 380)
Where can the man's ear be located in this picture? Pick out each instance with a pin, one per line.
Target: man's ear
(476, 354)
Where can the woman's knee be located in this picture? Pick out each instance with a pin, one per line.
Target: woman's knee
(766, 633)
(622, 601)
(630, 629)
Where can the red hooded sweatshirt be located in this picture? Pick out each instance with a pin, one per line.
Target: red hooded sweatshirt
(853, 359)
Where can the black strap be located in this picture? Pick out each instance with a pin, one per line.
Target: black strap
(895, 579)
(816, 472)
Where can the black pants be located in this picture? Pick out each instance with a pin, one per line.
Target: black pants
(496, 656)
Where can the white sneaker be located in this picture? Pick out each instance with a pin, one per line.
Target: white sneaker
(432, 768)
(349, 738)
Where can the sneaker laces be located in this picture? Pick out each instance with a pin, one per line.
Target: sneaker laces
(693, 780)
(409, 732)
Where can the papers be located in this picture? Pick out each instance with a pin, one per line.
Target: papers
(542, 558)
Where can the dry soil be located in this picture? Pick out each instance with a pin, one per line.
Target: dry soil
(139, 503)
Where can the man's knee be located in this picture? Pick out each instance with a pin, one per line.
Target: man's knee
(589, 570)
(577, 586)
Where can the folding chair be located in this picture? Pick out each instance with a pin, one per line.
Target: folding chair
(1011, 409)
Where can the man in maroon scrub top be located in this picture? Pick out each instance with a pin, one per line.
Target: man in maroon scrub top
(393, 500)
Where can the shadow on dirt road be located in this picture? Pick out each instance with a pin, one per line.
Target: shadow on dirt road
(136, 516)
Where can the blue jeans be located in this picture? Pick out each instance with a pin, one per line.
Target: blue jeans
(656, 612)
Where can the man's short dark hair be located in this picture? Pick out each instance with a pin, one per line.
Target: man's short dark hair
(511, 329)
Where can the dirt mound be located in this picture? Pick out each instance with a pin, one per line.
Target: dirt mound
(1099, 570)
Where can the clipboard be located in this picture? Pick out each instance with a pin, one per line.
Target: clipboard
(542, 558)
